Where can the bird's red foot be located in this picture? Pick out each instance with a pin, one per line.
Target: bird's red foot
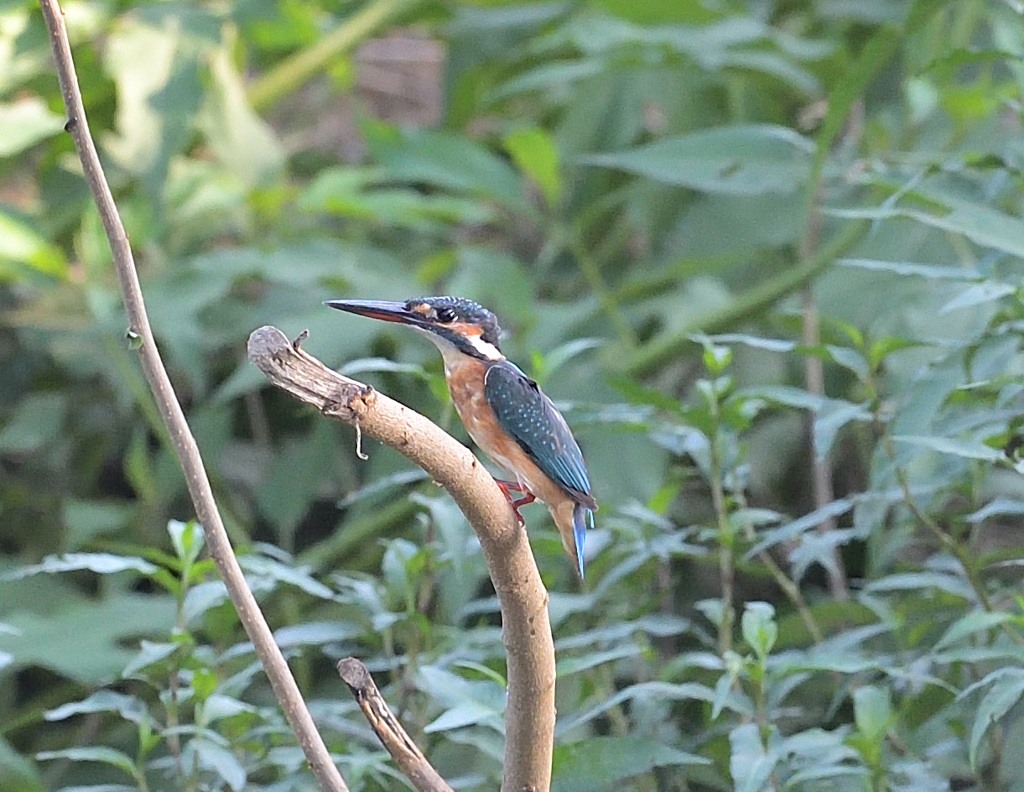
(508, 487)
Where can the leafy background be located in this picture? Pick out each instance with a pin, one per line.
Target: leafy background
(793, 584)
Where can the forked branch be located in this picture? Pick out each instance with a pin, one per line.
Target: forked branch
(526, 631)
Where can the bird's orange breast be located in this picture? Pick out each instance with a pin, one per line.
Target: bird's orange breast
(466, 384)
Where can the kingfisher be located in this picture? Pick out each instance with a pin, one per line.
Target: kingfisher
(504, 411)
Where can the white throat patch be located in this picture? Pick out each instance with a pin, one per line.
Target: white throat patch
(452, 353)
(485, 349)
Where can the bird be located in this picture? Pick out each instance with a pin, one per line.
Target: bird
(505, 412)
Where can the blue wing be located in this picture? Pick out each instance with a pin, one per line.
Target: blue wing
(540, 430)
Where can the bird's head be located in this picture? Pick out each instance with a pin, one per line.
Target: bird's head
(453, 323)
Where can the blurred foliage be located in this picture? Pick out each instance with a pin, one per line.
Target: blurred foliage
(613, 178)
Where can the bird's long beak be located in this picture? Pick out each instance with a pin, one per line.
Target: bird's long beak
(380, 309)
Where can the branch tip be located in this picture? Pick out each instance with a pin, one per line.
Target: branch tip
(389, 731)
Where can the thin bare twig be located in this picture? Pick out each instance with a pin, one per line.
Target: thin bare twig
(217, 541)
(821, 468)
(526, 631)
(403, 750)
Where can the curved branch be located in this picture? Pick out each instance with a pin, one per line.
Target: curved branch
(403, 750)
(526, 631)
(217, 541)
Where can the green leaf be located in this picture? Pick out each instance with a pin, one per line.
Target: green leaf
(872, 712)
(978, 222)
(100, 788)
(926, 271)
(793, 529)
(653, 12)
(128, 707)
(848, 358)
(598, 763)
(566, 667)
(95, 753)
(36, 423)
(785, 395)
(969, 624)
(202, 597)
(297, 475)
(219, 760)
(998, 507)
(914, 581)
(20, 243)
(749, 763)
(754, 342)
(661, 691)
(265, 572)
(833, 416)
(187, 540)
(398, 569)
(946, 445)
(150, 653)
(448, 161)
(759, 628)
(1006, 689)
(733, 160)
(101, 563)
(26, 121)
(218, 707)
(316, 633)
(55, 640)
(139, 58)
(978, 294)
(356, 194)
(534, 152)
(466, 702)
(19, 774)
(239, 138)
(881, 349)
(716, 357)
(87, 519)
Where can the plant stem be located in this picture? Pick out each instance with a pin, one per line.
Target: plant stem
(173, 416)
(592, 272)
(647, 359)
(298, 69)
(925, 519)
(726, 550)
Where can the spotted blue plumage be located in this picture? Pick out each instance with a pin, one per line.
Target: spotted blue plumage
(468, 334)
(529, 417)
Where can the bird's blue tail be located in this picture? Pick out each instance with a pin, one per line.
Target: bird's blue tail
(581, 515)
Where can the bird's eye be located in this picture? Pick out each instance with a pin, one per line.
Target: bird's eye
(445, 315)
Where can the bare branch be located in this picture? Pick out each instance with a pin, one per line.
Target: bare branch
(403, 750)
(255, 625)
(526, 631)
